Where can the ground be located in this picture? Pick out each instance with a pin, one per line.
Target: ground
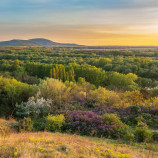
(58, 145)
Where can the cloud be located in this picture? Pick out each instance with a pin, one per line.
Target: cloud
(79, 20)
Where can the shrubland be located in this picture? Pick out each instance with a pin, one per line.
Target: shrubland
(80, 107)
(95, 97)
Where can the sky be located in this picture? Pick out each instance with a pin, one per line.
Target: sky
(87, 22)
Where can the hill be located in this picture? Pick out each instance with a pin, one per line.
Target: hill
(44, 42)
(19, 43)
(50, 145)
(36, 42)
(49, 43)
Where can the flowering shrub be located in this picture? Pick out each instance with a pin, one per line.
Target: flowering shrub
(33, 108)
(84, 122)
(103, 109)
(89, 123)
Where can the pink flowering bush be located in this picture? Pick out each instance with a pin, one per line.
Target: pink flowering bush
(89, 123)
(84, 122)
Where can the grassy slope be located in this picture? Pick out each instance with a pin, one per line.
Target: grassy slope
(44, 144)
(58, 145)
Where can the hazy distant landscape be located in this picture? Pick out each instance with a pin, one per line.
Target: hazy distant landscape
(38, 42)
(41, 42)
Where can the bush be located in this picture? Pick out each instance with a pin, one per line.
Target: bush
(129, 136)
(129, 115)
(119, 128)
(112, 119)
(12, 92)
(142, 133)
(154, 92)
(54, 90)
(83, 122)
(54, 123)
(34, 108)
(89, 123)
(102, 96)
(39, 124)
(26, 124)
(155, 136)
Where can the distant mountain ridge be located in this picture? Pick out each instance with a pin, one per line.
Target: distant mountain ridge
(18, 43)
(36, 42)
(42, 42)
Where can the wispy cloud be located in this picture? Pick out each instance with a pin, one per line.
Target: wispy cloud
(79, 20)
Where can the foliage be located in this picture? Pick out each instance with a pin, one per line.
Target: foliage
(155, 136)
(154, 92)
(34, 108)
(142, 133)
(50, 70)
(113, 88)
(153, 102)
(26, 124)
(119, 129)
(84, 122)
(131, 98)
(139, 62)
(54, 123)
(89, 123)
(112, 119)
(131, 114)
(102, 96)
(110, 79)
(12, 92)
(53, 89)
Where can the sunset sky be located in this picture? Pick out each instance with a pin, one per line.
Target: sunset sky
(88, 22)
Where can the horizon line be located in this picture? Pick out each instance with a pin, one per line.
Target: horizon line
(82, 45)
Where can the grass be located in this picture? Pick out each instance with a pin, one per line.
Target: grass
(7, 127)
(58, 145)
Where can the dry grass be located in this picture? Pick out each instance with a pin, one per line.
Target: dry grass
(57, 145)
(7, 127)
